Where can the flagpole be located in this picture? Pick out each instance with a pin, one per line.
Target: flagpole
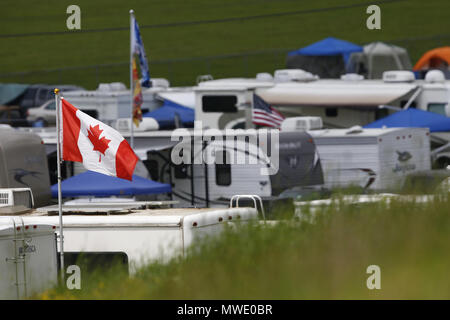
(131, 77)
(58, 156)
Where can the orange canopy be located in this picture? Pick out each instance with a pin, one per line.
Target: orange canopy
(433, 58)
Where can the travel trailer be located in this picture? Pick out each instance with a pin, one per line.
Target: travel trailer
(28, 257)
(213, 181)
(111, 101)
(378, 159)
(24, 163)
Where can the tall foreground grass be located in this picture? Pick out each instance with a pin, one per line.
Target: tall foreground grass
(327, 259)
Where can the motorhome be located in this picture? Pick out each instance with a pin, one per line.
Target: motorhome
(379, 159)
(341, 103)
(24, 163)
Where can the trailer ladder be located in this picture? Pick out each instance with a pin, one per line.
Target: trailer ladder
(235, 201)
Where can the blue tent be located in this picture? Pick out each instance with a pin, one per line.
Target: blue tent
(413, 118)
(329, 47)
(92, 183)
(166, 114)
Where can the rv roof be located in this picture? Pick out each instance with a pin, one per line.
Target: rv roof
(335, 92)
(369, 132)
(148, 217)
(233, 83)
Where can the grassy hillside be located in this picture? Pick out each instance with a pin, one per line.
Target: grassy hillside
(415, 24)
(325, 260)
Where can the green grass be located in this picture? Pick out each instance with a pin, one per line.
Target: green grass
(297, 260)
(424, 25)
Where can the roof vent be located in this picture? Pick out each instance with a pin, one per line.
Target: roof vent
(286, 75)
(264, 76)
(355, 129)
(398, 76)
(352, 77)
(435, 76)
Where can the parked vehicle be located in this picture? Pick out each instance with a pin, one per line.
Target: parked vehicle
(28, 257)
(378, 159)
(44, 115)
(37, 94)
(24, 163)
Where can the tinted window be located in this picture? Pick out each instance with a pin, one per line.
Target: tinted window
(223, 170)
(219, 103)
(437, 108)
(331, 112)
(51, 106)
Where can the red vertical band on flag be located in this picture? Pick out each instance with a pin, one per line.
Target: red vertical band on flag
(71, 131)
(126, 160)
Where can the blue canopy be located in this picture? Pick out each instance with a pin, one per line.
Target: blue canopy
(329, 47)
(166, 114)
(92, 183)
(413, 118)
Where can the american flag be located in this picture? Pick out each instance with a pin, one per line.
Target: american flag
(263, 114)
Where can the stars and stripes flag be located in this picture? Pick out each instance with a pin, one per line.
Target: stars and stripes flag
(263, 114)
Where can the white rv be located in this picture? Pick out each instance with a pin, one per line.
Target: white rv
(136, 237)
(376, 158)
(28, 257)
(341, 103)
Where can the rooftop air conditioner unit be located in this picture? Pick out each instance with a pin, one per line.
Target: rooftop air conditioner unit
(147, 124)
(301, 124)
(160, 83)
(111, 87)
(286, 75)
(435, 76)
(15, 197)
(398, 76)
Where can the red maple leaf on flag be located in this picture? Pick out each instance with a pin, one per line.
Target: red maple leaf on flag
(100, 144)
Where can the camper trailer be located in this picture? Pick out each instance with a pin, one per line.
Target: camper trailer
(378, 159)
(24, 163)
(236, 165)
(28, 263)
(111, 101)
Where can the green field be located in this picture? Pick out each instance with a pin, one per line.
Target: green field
(327, 259)
(255, 44)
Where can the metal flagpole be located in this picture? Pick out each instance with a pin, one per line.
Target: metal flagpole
(58, 156)
(131, 76)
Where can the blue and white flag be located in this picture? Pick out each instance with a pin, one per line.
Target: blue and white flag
(137, 48)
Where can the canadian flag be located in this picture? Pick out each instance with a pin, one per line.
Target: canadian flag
(99, 147)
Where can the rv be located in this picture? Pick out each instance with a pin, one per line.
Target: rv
(136, 237)
(341, 103)
(24, 163)
(378, 159)
(235, 165)
(28, 263)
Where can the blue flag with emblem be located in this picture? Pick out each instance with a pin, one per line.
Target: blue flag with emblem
(138, 49)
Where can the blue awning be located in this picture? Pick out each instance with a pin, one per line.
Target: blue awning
(413, 118)
(329, 47)
(92, 183)
(166, 114)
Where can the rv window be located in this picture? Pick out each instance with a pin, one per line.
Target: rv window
(223, 168)
(437, 108)
(181, 171)
(331, 112)
(219, 104)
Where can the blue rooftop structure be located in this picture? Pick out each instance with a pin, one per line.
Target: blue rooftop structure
(166, 115)
(92, 183)
(329, 47)
(413, 118)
